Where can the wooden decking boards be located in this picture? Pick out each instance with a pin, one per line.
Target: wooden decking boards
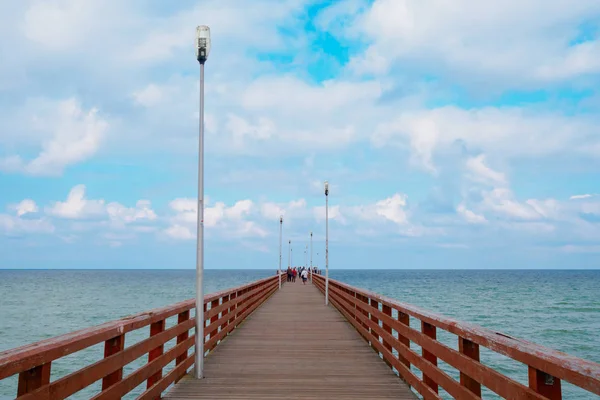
(294, 347)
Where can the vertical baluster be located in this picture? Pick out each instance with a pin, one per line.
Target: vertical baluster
(233, 299)
(214, 333)
(182, 317)
(387, 310)
(113, 346)
(470, 350)
(430, 331)
(33, 379)
(544, 384)
(374, 304)
(405, 320)
(225, 311)
(365, 300)
(155, 329)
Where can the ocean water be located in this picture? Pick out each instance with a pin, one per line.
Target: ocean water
(557, 309)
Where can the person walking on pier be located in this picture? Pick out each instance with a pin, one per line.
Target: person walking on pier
(294, 273)
(304, 276)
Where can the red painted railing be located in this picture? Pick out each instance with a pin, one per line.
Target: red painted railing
(224, 311)
(372, 316)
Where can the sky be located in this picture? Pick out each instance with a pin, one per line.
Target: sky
(461, 134)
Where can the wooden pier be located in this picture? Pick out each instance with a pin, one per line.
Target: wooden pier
(266, 343)
(294, 348)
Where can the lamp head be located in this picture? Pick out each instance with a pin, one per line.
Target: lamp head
(281, 219)
(202, 43)
(326, 188)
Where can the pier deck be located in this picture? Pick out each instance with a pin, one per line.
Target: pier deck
(294, 347)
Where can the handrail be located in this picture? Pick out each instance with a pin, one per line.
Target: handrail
(371, 315)
(224, 311)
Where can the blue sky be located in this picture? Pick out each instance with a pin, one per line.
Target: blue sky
(454, 135)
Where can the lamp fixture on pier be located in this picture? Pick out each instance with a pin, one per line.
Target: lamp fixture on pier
(326, 242)
(280, 232)
(202, 51)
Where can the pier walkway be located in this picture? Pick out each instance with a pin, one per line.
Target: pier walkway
(294, 347)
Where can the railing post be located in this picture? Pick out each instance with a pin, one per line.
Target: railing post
(365, 300)
(471, 350)
(214, 333)
(387, 310)
(182, 317)
(33, 379)
(405, 320)
(544, 384)
(225, 311)
(374, 304)
(155, 329)
(113, 346)
(430, 331)
(231, 311)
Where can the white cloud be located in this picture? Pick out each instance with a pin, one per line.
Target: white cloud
(77, 206)
(504, 132)
(391, 209)
(470, 216)
(24, 207)
(11, 225)
(219, 218)
(480, 172)
(580, 196)
(120, 214)
(291, 210)
(333, 213)
(149, 96)
(75, 135)
(439, 36)
(180, 232)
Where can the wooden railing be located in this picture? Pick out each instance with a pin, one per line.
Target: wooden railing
(224, 311)
(384, 323)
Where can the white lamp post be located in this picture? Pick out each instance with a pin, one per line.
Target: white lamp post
(202, 51)
(311, 253)
(326, 243)
(280, 231)
(290, 254)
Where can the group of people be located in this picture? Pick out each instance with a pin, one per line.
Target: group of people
(303, 272)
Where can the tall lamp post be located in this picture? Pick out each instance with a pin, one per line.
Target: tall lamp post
(311, 253)
(280, 232)
(290, 254)
(202, 50)
(326, 243)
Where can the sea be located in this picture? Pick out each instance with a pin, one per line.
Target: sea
(559, 309)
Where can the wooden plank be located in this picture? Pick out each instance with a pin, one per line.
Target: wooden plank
(293, 347)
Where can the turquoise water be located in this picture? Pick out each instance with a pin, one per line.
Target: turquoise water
(558, 309)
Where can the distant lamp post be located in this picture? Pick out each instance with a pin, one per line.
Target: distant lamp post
(290, 254)
(326, 243)
(311, 253)
(202, 50)
(280, 232)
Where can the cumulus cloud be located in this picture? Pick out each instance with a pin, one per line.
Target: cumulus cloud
(441, 38)
(24, 207)
(219, 218)
(75, 135)
(77, 206)
(11, 225)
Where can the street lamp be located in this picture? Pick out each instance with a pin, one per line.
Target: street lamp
(326, 243)
(311, 253)
(202, 50)
(280, 231)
